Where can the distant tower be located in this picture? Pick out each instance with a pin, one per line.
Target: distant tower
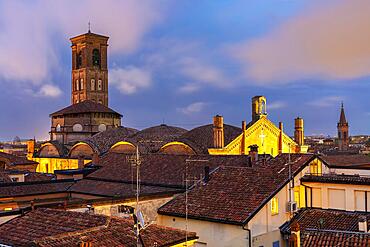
(89, 68)
(343, 137)
(299, 131)
(258, 108)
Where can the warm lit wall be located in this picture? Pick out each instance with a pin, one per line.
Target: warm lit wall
(177, 148)
(347, 197)
(212, 233)
(263, 133)
(48, 165)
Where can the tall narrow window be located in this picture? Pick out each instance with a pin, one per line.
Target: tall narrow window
(96, 57)
(79, 60)
(274, 206)
(82, 83)
(99, 85)
(92, 84)
(77, 85)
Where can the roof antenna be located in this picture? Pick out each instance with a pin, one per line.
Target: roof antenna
(89, 27)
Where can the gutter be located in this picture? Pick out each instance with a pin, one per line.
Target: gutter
(249, 235)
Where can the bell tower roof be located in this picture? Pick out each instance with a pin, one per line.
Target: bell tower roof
(342, 119)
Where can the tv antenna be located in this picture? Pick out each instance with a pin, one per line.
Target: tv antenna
(187, 180)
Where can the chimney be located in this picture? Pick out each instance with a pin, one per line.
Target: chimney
(30, 148)
(244, 126)
(206, 174)
(218, 131)
(281, 127)
(253, 153)
(299, 131)
(81, 162)
(32, 205)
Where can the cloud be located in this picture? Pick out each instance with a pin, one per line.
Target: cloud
(30, 32)
(326, 101)
(189, 88)
(49, 90)
(276, 105)
(329, 41)
(130, 79)
(192, 108)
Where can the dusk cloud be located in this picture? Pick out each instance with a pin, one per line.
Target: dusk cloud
(329, 41)
(326, 101)
(27, 38)
(131, 79)
(192, 108)
(276, 105)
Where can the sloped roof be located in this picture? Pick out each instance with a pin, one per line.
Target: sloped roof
(162, 169)
(86, 106)
(201, 138)
(337, 179)
(67, 228)
(354, 161)
(234, 194)
(16, 160)
(326, 219)
(311, 238)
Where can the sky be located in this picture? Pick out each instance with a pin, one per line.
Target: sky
(182, 62)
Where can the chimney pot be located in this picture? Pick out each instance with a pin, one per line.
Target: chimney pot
(253, 153)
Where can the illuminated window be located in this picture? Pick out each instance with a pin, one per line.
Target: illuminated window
(99, 85)
(92, 84)
(82, 83)
(58, 128)
(77, 85)
(274, 206)
(315, 168)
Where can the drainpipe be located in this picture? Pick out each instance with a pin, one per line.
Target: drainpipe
(249, 235)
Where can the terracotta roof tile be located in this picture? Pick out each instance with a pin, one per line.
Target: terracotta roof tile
(233, 194)
(337, 178)
(334, 239)
(326, 219)
(16, 160)
(162, 169)
(66, 228)
(86, 106)
(347, 161)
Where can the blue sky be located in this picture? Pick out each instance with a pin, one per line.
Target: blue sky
(181, 62)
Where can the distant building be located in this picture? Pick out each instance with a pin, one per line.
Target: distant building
(343, 134)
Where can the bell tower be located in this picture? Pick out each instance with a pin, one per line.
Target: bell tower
(343, 137)
(89, 68)
(258, 108)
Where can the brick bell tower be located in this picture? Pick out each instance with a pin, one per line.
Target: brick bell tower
(89, 68)
(343, 135)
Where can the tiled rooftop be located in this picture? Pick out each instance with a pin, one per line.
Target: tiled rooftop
(16, 160)
(326, 219)
(337, 178)
(334, 239)
(347, 161)
(86, 106)
(50, 227)
(234, 194)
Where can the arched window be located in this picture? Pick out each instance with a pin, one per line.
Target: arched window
(99, 85)
(77, 127)
(96, 57)
(263, 107)
(79, 60)
(92, 84)
(77, 85)
(102, 127)
(58, 128)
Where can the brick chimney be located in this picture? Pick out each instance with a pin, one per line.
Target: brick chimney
(218, 132)
(81, 162)
(299, 131)
(253, 153)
